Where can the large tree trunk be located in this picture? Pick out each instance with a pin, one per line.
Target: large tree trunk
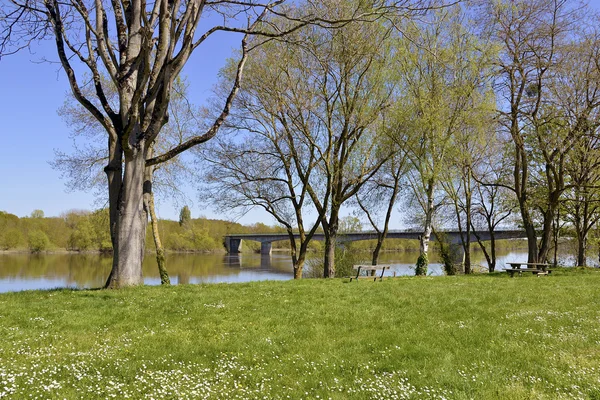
(131, 226)
(114, 175)
(532, 245)
(544, 248)
(581, 249)
(329, 260)
(330, 229)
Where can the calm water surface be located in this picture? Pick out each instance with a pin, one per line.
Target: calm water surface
(48, 271)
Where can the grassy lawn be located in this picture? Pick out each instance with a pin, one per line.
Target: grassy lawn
(459, 337)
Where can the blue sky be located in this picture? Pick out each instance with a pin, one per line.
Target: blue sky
(30, 129)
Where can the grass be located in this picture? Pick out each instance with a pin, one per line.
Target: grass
(464, 337)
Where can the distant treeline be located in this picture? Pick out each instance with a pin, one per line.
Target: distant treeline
(89, 231)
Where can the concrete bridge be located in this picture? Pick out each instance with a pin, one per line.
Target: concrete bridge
(233, 242)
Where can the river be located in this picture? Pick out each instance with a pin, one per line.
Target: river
(49, 271)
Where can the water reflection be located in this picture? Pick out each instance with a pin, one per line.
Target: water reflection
(25, 271)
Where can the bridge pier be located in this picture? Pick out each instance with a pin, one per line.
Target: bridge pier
(233, 246)
(265, 248)
(265, 261)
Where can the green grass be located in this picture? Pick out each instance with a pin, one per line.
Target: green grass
(458, 337)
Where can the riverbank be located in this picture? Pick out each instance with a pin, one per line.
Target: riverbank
(484, 337)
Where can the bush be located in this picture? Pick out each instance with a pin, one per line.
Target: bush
(422, 262)
(38, 241)
(345, 259)
(447, 259)
(178, 242)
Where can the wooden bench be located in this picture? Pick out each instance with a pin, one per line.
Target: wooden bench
(367, 269)
(538, 269)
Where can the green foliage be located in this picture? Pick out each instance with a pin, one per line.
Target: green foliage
(82, 237)
(422, 263)
(83, 230)
(38, 241)
(37, 214)
(100, 222)
(349, 223)
(345, 258)
(446, 256)
(185, 216)
(445, 251)
(10, 239)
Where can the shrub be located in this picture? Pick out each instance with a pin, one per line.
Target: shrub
(422, 262)
(38, 241)
(447, 259)
(345, 259)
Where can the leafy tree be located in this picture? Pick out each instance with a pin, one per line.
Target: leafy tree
(533, 39)
(185, 216)
(440, 65)
(38, 241)
(310, 127)
(37, 214)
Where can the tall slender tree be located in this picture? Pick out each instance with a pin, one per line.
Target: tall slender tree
(440, 68)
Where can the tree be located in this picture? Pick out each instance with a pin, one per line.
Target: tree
(441, 69)
(492, 204)
(532, 36)
(262, 162)
(142, 48)
(37, 214)
(84, 168)
(38, 241)
(301, 122)
(185, 215)
(349, 69)
(380, 194)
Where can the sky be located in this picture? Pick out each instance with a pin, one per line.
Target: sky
(31, 92)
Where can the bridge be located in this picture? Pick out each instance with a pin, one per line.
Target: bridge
(233, 242)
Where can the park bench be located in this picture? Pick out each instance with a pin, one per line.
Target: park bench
(538, 269)
(369, 269)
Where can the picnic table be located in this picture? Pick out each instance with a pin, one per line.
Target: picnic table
(538, 269)
(368, 269)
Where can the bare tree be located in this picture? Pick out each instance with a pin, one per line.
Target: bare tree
(380, 194)
(491, 205)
